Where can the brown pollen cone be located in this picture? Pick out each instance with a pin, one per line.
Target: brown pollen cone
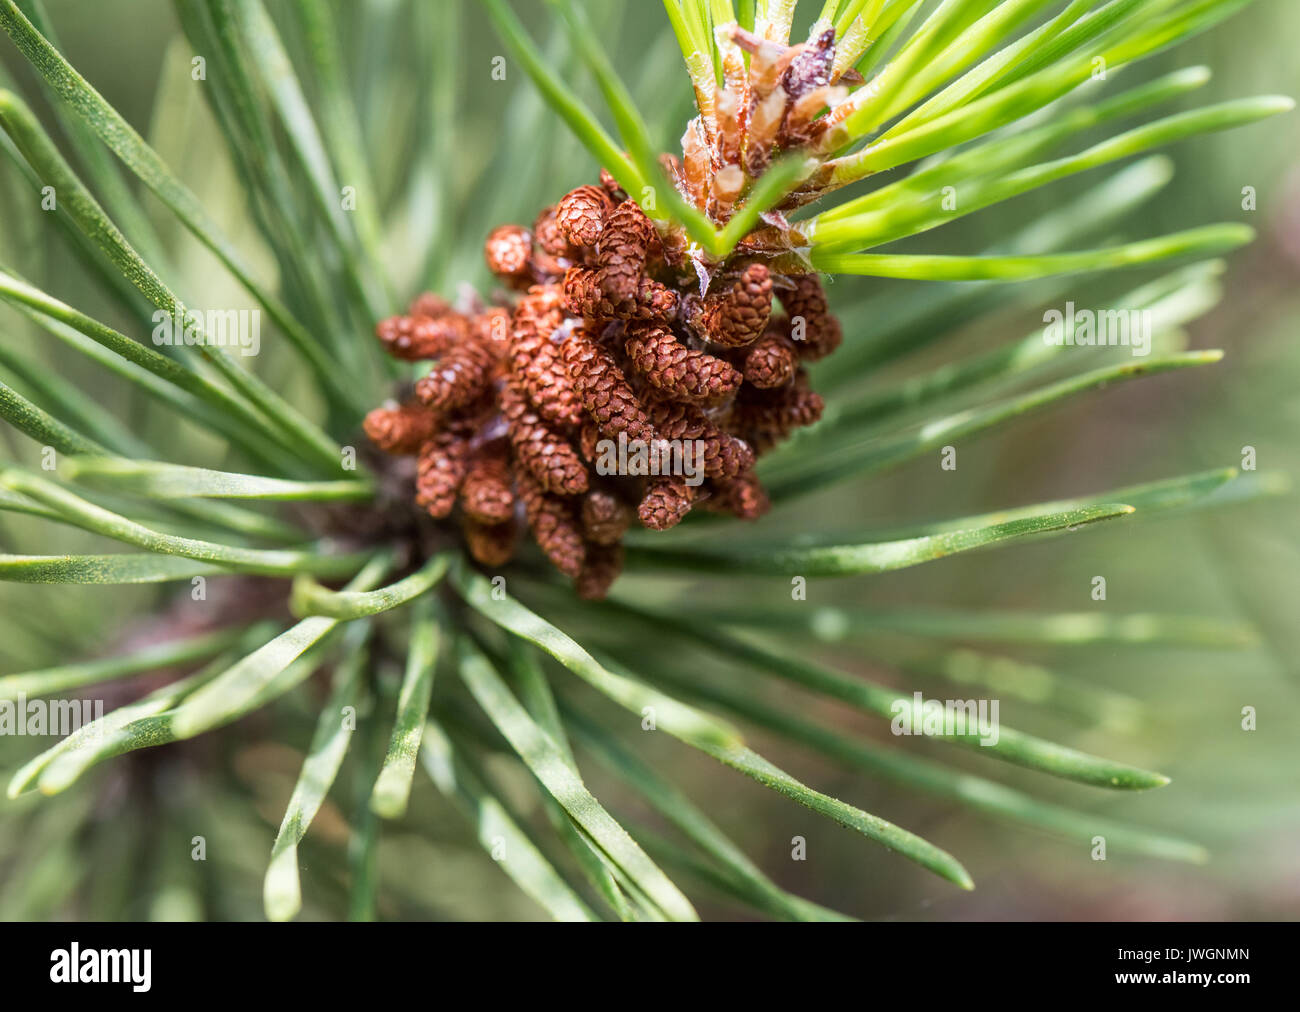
(580, 214)
(509, 252)
(742, 496)
(440, 469)
(604, 333)
(739, 316)
(604, 390)
(820, 333)
(724, 454)
(413, 338)
(535, 357)
(583, 296)
(551, 237)
(401, 430)
(554, 525)
(461, 374)
(430, 305)
(605, 517)
(675, 369)
(544, 453)
(767, 417)
(666, 502)
(771, 361)
(490, 544)
(626, 243)
(487, 493)
(600, 569)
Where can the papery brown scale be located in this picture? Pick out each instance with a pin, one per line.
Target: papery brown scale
(696, 163)
(672, 166)
(554, 525)
(727, 184)
(581, 213)
(544, 453)
(681, 372)
(801, 127)
(727, 110)
(401, 430)
(764, 125)
(603, 388)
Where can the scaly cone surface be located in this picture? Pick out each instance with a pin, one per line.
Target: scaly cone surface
(619, 353)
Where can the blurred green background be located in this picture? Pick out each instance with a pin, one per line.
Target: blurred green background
(114, 849)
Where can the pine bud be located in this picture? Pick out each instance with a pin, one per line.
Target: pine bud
(401, 430)
(580, 214)
(811, 66)
(542, 451)
(603, 389)
(675, 369)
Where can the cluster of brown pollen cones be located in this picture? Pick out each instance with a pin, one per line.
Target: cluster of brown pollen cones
(608, 345)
